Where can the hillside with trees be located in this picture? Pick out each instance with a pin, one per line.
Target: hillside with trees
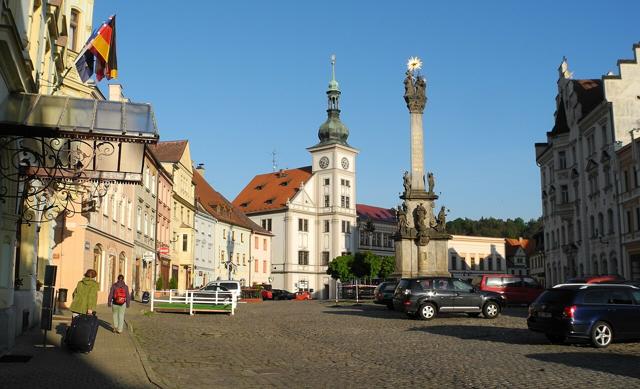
(492, 227)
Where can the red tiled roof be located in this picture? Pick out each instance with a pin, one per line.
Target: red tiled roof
(219, 207)
(376, 213)
(169, 151)
(271, 191)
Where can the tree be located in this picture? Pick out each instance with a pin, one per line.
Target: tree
(159, 284)
(341, 268)
(387, 267)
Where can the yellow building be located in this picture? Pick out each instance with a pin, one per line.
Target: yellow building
(176, 159)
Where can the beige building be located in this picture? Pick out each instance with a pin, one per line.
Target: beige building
(176, 159)
(474, 255)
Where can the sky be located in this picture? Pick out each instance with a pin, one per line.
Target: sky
(240, 79)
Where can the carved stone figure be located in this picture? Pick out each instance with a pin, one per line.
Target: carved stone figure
(432, 182)
(419, 215)
(421, 87)
(415, 94)
(441, 224)
(409, 89)
(406, 182)
(403, 224)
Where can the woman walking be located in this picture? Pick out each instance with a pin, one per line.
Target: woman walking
(119, 299)
(85, 296)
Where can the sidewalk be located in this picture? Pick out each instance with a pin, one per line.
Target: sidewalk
(113, 363)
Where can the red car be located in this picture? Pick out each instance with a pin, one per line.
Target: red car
(266, 294)
(303, 295)
(516, 289)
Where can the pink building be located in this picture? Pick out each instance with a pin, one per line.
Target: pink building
(163, 225)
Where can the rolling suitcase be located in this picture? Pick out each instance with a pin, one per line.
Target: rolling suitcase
(81, 335)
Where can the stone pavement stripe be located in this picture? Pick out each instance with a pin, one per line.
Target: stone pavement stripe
(144, 358)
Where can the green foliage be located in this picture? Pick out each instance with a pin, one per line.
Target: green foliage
(159, 284)
(173, 283)
(387, 267)
(341, 268)
(367, 264)
(492, 227)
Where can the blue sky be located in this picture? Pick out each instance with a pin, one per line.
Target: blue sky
(240, 79)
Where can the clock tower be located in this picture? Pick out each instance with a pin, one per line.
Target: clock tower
(334, 176)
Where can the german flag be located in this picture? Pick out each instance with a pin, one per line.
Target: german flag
(100, 50)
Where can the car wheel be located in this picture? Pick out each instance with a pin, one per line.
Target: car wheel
(427, 311)
(473, 314)
(491, 310)
(601, 334)
(556, 339)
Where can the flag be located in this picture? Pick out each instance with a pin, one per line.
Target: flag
(99, 53)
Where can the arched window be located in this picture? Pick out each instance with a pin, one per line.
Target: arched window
(610, 221)
(73, 29)
(600, 223)
(122, 263)
(139, 220)
(97, 260)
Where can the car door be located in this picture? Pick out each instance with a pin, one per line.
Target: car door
(467, 299)
(444, 295)
(513, 289)
(622, 310)
(635, 317)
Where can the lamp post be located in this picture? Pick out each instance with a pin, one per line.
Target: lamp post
(250, 261)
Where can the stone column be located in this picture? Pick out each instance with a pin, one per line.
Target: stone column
(417, 152)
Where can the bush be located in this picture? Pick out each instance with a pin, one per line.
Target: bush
(159, 284)
(173, 283)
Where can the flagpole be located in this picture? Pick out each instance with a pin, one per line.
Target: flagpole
(61, 79)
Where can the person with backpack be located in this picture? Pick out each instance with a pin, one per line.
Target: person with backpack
(119, 299)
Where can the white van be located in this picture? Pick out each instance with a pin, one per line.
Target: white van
(231, 285)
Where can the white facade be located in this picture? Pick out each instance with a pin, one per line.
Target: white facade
(232, 248)
(474, 255)
(204, 260)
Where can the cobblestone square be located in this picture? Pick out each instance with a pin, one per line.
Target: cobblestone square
(318, 344)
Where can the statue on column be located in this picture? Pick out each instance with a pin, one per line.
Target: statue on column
(406, 182)
(441, 222)
(419, 215)
(403, 224)
(432, 182)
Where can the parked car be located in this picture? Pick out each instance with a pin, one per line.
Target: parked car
(266, 294)
(517, 289)
(230, 285)
(302, 295)
(383, 293)
(425, 297)
(601, 279)
(280, 294)
(599, 313)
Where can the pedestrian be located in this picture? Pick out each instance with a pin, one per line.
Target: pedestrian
(85, 296)
(119, 299)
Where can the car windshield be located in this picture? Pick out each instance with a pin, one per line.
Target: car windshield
(229, 285)
(215, 287)
(556, 296)
(389, 287)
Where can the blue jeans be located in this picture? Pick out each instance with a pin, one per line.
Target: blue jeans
(118, 316)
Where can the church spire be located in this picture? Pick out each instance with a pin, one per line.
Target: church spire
(332, 130)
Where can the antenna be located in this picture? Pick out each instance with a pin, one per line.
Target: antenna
(274, 161)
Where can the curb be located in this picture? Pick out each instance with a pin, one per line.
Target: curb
(144, 359)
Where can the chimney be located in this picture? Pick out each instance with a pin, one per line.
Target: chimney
(115, 93)
(200, 169)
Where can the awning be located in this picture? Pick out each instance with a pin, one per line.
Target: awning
(26, 114)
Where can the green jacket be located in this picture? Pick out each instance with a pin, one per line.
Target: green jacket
(85, 296)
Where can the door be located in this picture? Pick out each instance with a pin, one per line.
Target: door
(444, 294)
(622, 310)
(467, 299)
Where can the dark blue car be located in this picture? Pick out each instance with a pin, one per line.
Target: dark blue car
(599, 313)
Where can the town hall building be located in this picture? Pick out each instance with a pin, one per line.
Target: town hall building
(310, 210)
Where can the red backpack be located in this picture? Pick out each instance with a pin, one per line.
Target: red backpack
(119, 296)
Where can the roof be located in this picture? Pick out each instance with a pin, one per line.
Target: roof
(512, 245)
(271, 191)
(219, 207)
(376, 213)
(169, 151)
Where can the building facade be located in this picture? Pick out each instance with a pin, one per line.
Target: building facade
(474, 255)
(518, 252)
(163, 226)
(374, 230)
(310, 210)
(630, 206)
(581, 180)
(204, 254)
(175, 157)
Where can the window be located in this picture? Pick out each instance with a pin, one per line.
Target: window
(153, 184)
(303, 257)
(454, 263)
(343, 201)
(530, 282)
(326, 181)
(185, 242)
(303, 225)
(264, 244)
(346, 227)
(256, 242)
(264, 266)
(244, 259)
(619, 296)
(562, 157)
(241, 237)
(233, 236)
(348, 204)
(490, 264)
(325, 258)
(610, 221)
(511, 282)
(73, 29)
(326, 200)
(146, 223)
(462, 286)
(564, 194)
(473, 263)
(224, 233)
(256, 265)
(498, 264)
(266, 224)
(326, 226)
(442, 284)
(494, 281)
(629, 222)
(139, 220)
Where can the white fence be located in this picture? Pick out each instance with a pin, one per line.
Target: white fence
(194, 301)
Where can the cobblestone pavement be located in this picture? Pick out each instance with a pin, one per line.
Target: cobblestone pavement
(316, 344)
(113, 363)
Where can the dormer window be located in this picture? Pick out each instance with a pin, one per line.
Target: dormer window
(285, 183)
(245, 205)
(269, 201)
(259, 187)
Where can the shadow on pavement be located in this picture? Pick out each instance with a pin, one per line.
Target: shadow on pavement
(365, 310)
(487, 333)
(618, 364)
(515, 311)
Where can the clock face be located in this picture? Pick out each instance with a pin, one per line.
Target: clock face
(345, 163)
(324, 162)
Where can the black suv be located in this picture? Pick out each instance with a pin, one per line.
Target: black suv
(425, 297)
(600, 313)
